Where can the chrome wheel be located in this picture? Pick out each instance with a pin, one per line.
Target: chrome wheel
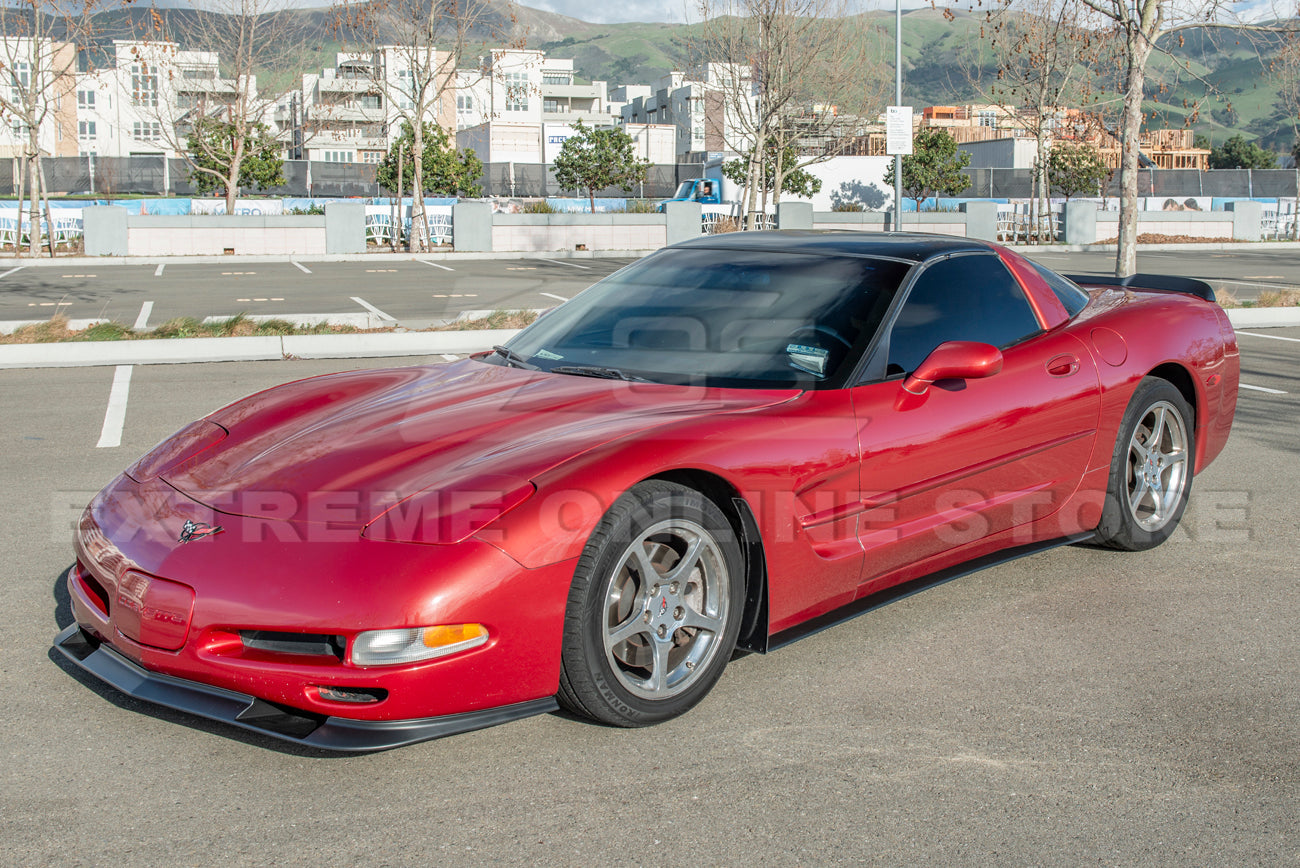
(1157, 466)
(666, 607)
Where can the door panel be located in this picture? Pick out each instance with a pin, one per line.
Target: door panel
(975, 457)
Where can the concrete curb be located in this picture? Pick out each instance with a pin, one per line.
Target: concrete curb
(253, 349)
(1264, 317)
(190, 350)
(436, 256)
(1154, 248)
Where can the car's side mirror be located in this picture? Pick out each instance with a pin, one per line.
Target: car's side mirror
(954, 360)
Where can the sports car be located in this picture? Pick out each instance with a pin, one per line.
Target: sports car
(726, 445)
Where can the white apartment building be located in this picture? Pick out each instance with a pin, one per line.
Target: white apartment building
(40, 75)
(353, 112)
(145, 102)
(708, 109)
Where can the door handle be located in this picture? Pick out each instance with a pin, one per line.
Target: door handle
(1063, 365)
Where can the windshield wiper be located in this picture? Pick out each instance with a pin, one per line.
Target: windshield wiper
(513, 358)
(596, 371)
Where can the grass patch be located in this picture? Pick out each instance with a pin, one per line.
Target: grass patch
(55, 330)
(1279, 298)
(498, 319)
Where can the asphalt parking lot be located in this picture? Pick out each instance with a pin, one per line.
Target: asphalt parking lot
(416, 292)
(1079, 706)
(407, 291)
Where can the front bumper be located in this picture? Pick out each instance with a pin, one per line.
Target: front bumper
(257, 715)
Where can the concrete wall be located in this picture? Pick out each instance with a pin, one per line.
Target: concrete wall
(199, 235)
(538, 233)
(1194, 224)
(940, 223)
(111, 231)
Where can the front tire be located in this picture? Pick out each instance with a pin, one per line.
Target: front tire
(1151, 469)
(654, 609)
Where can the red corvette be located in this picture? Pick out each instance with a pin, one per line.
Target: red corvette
(731, 443)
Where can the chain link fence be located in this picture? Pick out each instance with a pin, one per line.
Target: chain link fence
(1174, 183)
(157, 176)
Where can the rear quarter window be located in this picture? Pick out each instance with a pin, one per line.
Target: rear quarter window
(1065, 290)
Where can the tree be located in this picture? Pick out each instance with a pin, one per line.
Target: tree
(1043, 59)
(223, 103)
(446, 170)
(1237, 153)
(423, 51)
(796, 181)
(934, 167)
(594, 159)
(212, 143)
(1138, 27)
(766, 61)
(1076, 169)
(38, 65)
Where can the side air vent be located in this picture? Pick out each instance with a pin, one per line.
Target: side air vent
(313, 644)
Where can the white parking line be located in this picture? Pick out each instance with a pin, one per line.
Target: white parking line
(304, 269)
(554, 296)
(1261, 389)
(115, 417)
(1250, 283)
(370, 307)
(1247, 334)
(158, 271)
(434, 264)
(449, 357)
(145, 309)
(570, 264)
(11, 271)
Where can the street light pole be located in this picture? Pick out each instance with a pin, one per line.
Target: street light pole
(898, 100)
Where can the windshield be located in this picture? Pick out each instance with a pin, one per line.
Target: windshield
(735, 318)
(684, 191)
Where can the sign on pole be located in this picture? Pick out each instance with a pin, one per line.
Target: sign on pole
(898, 130)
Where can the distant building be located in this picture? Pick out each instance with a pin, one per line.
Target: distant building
(41, 78)
(708, 109)
(147, 101)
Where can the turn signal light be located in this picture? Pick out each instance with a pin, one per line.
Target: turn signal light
(412, 644)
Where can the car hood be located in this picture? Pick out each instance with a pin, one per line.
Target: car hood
(365, 440)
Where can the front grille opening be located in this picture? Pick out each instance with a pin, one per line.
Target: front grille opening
(355, 695)
(312, 644)
(93, 589)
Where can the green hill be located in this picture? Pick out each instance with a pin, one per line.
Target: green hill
(1217, 82)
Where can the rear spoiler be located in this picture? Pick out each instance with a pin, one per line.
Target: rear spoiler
(1167, 282)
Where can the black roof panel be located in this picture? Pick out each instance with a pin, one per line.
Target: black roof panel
(915, 246)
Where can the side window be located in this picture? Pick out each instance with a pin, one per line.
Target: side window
(965, 298)
(1070, 295)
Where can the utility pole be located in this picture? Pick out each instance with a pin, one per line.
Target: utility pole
(898, 101)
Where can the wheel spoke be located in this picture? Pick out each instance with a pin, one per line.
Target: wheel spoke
(1139, 491)
(1140, 451)
(658, 679)
(688, 561)
(644, 566)
(701, 621)
(1158, 429)
(629, 628)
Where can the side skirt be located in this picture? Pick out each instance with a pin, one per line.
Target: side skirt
(866, 604)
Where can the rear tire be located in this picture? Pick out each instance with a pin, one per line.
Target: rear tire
(654, 608)
(1151, 469)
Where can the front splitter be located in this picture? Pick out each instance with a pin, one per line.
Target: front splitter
(257, 715)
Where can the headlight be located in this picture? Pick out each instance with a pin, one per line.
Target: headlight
(181, 446)
(389, 647)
